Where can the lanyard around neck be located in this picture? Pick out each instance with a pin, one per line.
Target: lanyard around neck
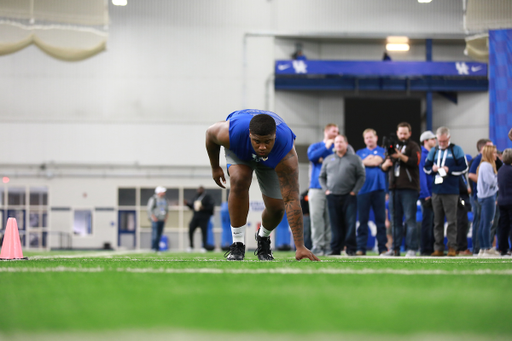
(439, 163)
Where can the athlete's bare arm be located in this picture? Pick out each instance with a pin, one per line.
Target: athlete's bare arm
(288, 173)
(216, 136)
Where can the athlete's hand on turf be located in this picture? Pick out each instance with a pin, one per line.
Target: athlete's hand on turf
(303, 252)
(218, 175)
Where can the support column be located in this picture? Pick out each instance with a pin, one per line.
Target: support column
(428, 53)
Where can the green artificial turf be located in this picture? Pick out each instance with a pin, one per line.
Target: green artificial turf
(113, 297)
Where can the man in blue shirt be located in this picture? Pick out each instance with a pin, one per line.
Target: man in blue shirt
(446, 164)
(258, 141)
(318, 211)
(373, 193)
(428, 140)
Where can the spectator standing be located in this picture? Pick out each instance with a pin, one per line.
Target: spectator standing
(157, 209)
(447, 163)
(475, 205)
(463, 207)
(318, 212)
(505, 202)
(342, 175)
(429, 141)
(404, 187)
(487, 187)
(202, 204)
(373, 193)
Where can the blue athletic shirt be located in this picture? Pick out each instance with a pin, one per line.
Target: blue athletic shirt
(240, 143)
(375, 177)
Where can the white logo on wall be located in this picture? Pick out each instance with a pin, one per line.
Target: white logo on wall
(282, 67)
(462, 68)
(476, 68)
(299, 66)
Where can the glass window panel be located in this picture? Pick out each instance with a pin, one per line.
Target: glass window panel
(145, 194)
(19, 215)
(127, 221)
(38, 196)
(1, 196)
(16, 196)
(127, 197)
(38, 219)
(216, 194)
(82, 222)
(173, 196)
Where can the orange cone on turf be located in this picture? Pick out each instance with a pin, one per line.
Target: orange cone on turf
(11, 247)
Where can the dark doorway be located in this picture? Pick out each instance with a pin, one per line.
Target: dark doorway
(383, 115)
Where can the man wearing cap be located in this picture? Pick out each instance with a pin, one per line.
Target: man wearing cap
(158, 208)
(428, 141)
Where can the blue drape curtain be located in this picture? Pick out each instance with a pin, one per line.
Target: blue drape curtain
(500, 87)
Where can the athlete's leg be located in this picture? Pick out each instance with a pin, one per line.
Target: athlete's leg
(238, 202)
(273, 212)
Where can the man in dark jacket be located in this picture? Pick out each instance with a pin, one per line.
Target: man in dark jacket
(203, 206)
(404, 187)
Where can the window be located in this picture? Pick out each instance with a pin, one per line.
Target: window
(16, 196)
(127, 197)
(82, 222)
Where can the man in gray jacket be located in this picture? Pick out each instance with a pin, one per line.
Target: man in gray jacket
(158, 207)
(341, 177)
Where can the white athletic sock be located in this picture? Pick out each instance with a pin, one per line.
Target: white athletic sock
(263, 232)
(238, 234)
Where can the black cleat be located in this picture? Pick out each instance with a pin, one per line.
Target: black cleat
(236, 252)
(263, 251)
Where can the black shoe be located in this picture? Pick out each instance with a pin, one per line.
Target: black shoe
(236, 252)
(263, 251)
(350, 253)
(334, 253)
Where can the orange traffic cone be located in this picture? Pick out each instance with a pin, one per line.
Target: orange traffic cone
(11, 247)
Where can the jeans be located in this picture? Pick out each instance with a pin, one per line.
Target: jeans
(157, 227)
(342, 213)
(427, 227)
(475, 206)
(307, 231)
(486, 216)
(319, 218)
(405, 205)
(377, 201)
(504, 227)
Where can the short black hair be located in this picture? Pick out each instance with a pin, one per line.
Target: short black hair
(262, 124)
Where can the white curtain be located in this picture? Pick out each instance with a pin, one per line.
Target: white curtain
(69, 30)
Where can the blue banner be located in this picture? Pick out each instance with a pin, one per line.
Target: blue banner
(380, 68)
(500, 85)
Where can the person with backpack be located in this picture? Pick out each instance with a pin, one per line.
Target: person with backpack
(447, 162)
(158, 208)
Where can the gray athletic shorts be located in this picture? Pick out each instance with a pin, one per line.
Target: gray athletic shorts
(267, 177)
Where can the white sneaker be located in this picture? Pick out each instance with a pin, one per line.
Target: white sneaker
(480, 253)
(494, 252)
(389, 253)
(189, 249)
(410, 253)
(486, 253)
(202, 250)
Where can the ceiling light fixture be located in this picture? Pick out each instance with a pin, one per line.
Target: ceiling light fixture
(397, 44)
(424, 1)
(119, 2)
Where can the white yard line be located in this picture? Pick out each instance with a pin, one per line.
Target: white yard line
(280, 271)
